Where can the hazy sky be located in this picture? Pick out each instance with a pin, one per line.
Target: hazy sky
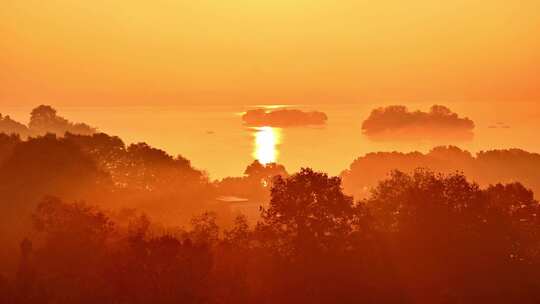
(120, 52)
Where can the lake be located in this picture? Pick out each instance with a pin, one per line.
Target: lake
(215, 139)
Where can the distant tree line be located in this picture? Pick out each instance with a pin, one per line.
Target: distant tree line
(485, 168)
(43, 119)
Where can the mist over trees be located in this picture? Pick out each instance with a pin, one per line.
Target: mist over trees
(419, 238)
(255, 183)
(85, 218)
(485, 168)
(10, 126)
(97, 168)
(43, 119)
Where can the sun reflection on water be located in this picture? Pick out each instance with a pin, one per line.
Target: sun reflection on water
(267, 140)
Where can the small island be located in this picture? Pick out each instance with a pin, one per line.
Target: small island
(283, 118)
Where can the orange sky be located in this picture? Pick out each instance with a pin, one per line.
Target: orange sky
(120, 52)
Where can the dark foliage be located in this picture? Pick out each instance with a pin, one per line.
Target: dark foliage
(414, 238)
(419, 238)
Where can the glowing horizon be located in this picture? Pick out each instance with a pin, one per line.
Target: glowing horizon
(121, 52)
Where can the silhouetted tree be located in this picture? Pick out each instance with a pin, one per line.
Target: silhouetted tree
(44, 119)
(256, 183)
(73, 248)
(44, 166)
(9, 126)
(7, 144)
(309, 211)
(453, 241)
(318, 237)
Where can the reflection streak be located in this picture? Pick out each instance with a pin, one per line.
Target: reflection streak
(266, 141)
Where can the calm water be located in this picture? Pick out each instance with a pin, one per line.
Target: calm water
(214, 138)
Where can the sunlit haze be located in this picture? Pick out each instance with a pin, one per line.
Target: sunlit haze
(269, 151)
(166, 52)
